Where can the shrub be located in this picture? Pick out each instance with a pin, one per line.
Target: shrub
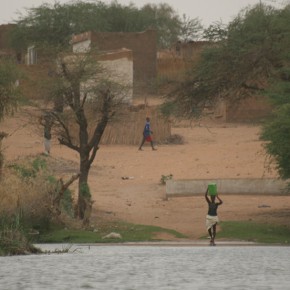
(13, 240)
(29, 194)
(164, 178)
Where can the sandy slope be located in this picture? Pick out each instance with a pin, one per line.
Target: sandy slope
(212, 150)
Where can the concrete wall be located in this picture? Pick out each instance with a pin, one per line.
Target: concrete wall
(117, 66)
(82, 46)
(232, 186)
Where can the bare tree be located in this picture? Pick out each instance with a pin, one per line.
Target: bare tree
(91, 98)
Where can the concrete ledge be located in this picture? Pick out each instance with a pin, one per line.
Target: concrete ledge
(233, 186)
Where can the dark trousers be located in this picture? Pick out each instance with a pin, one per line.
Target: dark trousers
(144, 140)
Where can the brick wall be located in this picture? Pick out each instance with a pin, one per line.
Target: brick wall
(251, 109)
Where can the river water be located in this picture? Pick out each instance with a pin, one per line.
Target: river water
(150, 267)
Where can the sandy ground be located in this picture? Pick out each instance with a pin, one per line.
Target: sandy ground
(212, 149)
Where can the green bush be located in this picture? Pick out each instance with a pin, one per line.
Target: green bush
(31, 192)
(13, 239)
(277, 134)
(29, 169)
(164, 178)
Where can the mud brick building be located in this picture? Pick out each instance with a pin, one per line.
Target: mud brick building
(142, 44)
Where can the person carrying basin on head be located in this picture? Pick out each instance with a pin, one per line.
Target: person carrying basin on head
(212, 218)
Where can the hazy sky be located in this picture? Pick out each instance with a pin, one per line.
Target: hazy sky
(207, 11)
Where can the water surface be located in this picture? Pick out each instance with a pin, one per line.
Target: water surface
(150, 267)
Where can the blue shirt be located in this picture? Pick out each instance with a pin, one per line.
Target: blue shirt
(147, 130)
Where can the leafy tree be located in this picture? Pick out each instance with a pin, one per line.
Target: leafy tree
(53, 24)
(163, 18)
(216, 32)
(91, 99)
(236, 67)
(253, 59)
(276, 130)
(191, 29)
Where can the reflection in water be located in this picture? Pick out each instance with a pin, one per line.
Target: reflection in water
(148, 267)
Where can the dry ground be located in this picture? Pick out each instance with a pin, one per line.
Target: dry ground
(212, 149)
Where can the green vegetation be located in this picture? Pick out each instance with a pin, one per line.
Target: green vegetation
(247, 57)
(128, 232)
(250, 231)
(13, 240)
(40, 25)
(250, 57)
(29, 170)
(277, 132)
(164, 178)
(31, 200)
(33, 210)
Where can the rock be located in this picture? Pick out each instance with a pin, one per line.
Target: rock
(113, 235)
(127, 177)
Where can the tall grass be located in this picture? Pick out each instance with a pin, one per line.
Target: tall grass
(13, 239)
(27, 191)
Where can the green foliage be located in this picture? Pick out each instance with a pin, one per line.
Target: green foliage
(23, 171)
(39, 164)
(85, 190)
(250, 231)
(168, 109)
(51, 25)
(249, 54)
(216, 32)
(30, 170)
(277, 134)
(35, 189)
(67, 202)
(13, 239)
(190, 29)
(164, 178)
(250, 58)
(32, 202)
(128, 232)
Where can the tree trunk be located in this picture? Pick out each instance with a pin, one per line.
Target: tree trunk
(59, 104)
(84, 204)
(1, 162)
(2, 135)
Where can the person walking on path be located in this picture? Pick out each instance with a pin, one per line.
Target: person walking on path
(147, 135)
(212, 217)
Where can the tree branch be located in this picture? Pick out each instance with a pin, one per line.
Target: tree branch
(59, 194)
(66, 140)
